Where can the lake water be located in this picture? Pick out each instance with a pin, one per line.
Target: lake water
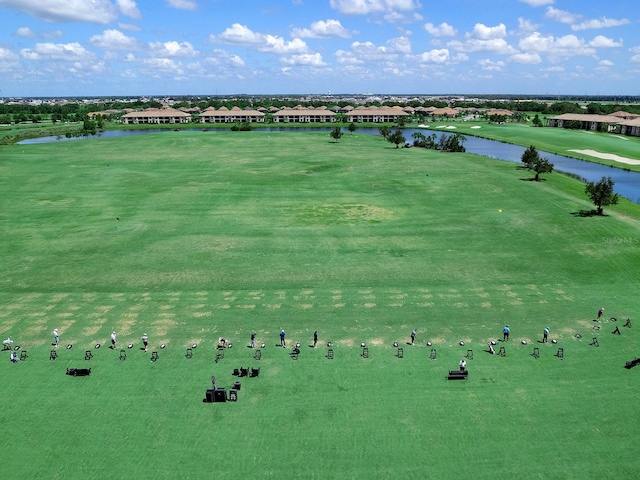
(627, 184)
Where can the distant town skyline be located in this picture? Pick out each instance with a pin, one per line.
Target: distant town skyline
(54, 48)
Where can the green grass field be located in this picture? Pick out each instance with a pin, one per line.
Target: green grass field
(224, 234)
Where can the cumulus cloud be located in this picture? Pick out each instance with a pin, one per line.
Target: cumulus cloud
(25, 32)
(497, 45)
(239, 34)
(172, 49)
(442, 30)
(183, 4)
(603, 42)
(561, 16)
(482, 32)
(94, 11)
(114, 40)
(57, 51)
(322, 29)
(490, 65)
(438, 56)
(129, 8)
(600, 23)
(525, 58)
(566, 46)
(365, 7)
(307, 59)
(7, 55)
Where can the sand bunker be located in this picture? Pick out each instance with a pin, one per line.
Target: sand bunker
(476, 126)
(608, 156)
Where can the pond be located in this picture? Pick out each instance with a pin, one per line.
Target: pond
(627, 184)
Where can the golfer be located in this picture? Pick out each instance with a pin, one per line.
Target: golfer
(113, 340)
(283, 343)
(505, 333)
(600, 312)
(145, 341)
(413, 335)
(315, 338)
(253, 340)
(545, 334)
(56, 337)
(463, 365)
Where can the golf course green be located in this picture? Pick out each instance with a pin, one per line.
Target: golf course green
(191, 236)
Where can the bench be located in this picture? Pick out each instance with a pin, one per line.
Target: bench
(632, 363)
(457, 375)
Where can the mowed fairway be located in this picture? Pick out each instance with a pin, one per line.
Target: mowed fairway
(188, 236)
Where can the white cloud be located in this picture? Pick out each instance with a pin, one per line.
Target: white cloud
(129, 8)
(438, 56)
(566, 46)
(400, 45)
(347, 58)
(57, 51)
(322, 29)
(483, 32)
(561, 16)
(172, 49)
(600, 23)
(526, 58)
(129, 27)
(442, 30)
(94, 11)
(183, 4)
(25, 32)
(114, 40)
(229, 58)
(490, 65)
(537, 3)
(606, 63)
(6, 55)
(498, 45)
(526, 26)
(635, 58)
(365, 7)
(156, 67)
(604, 42)
(307, 59)
(241, 35)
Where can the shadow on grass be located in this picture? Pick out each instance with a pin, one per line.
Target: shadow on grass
(588, 213)
(533, 179)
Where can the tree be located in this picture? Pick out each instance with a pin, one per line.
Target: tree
(351, 127)
(601, 193)
(385, 132)
(336, 133)
(536, 121)
(396, 137)
(532, 161)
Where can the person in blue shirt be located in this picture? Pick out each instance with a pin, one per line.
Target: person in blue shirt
(505, 333)
(283, 343)
(253, 340)
(414, 332)
(545, 334)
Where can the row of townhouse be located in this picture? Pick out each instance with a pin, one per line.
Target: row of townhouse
(285, 115)
(360, 114)
(619, 122)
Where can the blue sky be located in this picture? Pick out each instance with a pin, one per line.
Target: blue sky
(225, 47)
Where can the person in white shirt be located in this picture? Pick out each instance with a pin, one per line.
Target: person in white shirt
(463, 365)
(113, 340)
(56, 336)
